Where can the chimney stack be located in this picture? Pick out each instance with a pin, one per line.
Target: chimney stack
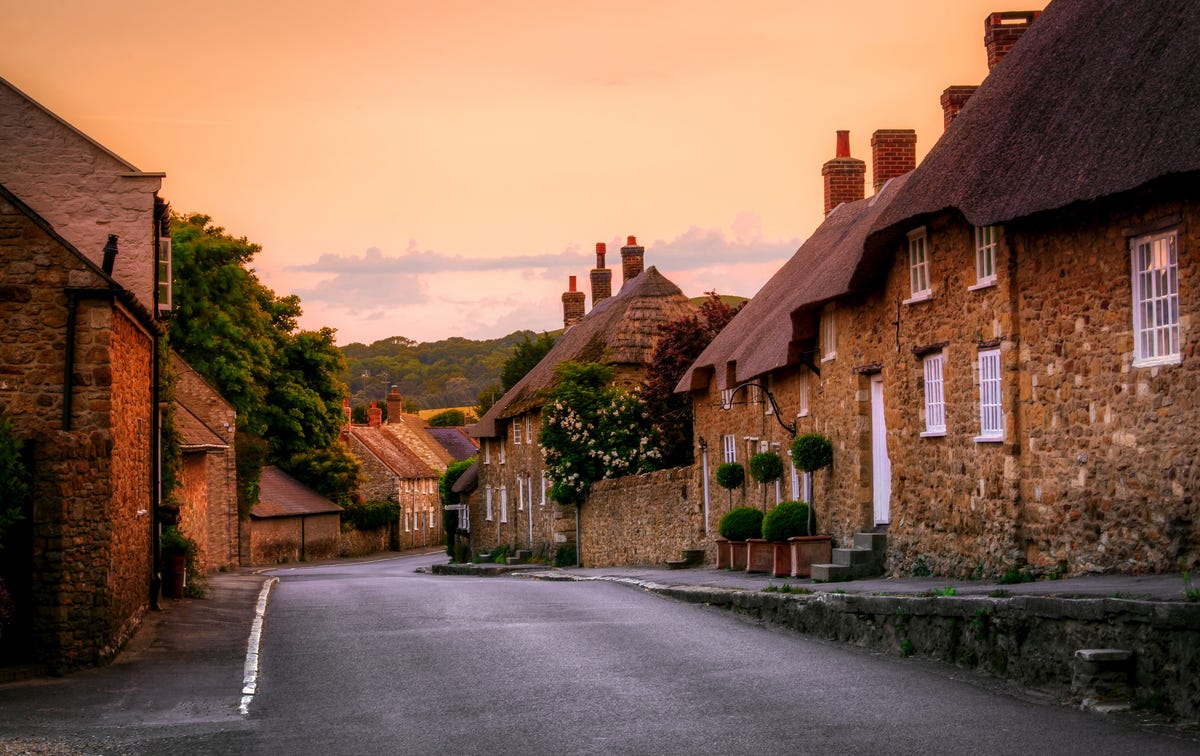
(845, 177)
(953, 100)
(893, 153)
(601, 276)
(633, 260)
(1002, 30)
(110, 254)
(349, 413)
(572, 305)
(395, 406)
(374, 416)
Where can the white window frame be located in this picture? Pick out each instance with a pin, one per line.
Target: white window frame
(407, 515)
(503, 503)
(528, 430)
(487, 452)
(802, 395)
(935, 395)
(987, 242)
(543, 488)
(727, 398)
(503, 454)
(487, 498)
(991, 406)
(919, 281)
(729, 445)
(520, 493)
(516, 433)
(164, 274)
(1154, 261)
(828, 327)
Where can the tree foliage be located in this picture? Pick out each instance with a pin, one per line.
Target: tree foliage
(680, 342)
(593, 430)
(526, 355)
(15, 486)
(451, 418)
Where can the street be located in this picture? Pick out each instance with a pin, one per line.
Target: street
(372, 657)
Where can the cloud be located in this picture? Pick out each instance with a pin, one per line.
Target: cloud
(414, 260)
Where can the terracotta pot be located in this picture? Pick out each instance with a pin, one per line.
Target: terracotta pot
(782, 552)
(724, 554)
(760, 556)
(809, 550)
(737, 555)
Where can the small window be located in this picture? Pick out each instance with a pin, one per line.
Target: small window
(487, 454)
(520, 493)
(164, 274)
(729, 443)
(487, 499)
(935, 399)
(503, 504)
(991, 414)
(828, 332)
(802, 398)
(727, 398)
(516, 432)
(528, 430)
(986, 238)
(918, 265)
(1156, 299)
(502, 447)
(543, 488)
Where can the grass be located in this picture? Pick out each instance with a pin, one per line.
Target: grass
(1190, 593)
(787, 588)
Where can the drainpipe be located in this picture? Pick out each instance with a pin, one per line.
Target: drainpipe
(704, 469)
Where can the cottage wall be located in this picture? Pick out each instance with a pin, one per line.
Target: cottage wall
(378, 483)
(193, 504)
(420, 513)
(641, 519)
(278, 540)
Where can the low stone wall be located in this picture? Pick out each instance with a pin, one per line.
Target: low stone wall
(278, 540)
(1030, 640)
(641, 519)
(356, 543)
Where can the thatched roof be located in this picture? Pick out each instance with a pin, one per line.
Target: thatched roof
(1096, 98)
(762, 337)
(622, 329)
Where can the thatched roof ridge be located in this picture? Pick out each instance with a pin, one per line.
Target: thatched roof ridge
(1097, 98)
(622, 329)
(761, 337)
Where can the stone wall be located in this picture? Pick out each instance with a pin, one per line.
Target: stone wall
(279, 540)
(378, 483)
(641, 519)
(356, 543)
(193, 504)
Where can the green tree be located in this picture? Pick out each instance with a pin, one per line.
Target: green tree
(487, 398)
(450, 516)
(451, 418)
(15, 485)
(526, 355)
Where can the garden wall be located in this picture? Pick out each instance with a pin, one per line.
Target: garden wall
(641, 519)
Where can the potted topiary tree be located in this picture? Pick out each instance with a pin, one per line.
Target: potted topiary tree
(736, 527)
(810, 452)
(730, 475)
(766, 468)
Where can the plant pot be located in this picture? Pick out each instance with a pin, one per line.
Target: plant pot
(724, 554)
(178, 576)
(809, 550)
(782, 552)
(737, 555)
(760, 555)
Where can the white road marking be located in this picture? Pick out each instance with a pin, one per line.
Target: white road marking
(250, 676)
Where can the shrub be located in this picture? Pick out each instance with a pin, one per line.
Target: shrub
(372, 514)
(565, 556)
(741, 523)
(731, 475)
(790, 518)
(811, 451)
(766, 467)
(174, 543)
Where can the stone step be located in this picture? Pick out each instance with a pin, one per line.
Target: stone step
(829, 573)
(853, 557)
(876, 542)
(678, 564)
(693, 556)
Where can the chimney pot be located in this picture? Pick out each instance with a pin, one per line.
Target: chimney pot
(572, 284)
(631, 241)
(374, 415)
(843, 144)
(844, 176)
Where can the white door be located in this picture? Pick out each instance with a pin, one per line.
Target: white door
(881, 479)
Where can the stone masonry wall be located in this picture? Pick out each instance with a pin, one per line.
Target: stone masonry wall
(279, 540)
(641, 519)
(193, 504)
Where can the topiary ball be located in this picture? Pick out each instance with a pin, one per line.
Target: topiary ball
(741, 523)
(731, 475)
(766, 467)
(788, 519)
(812, 451)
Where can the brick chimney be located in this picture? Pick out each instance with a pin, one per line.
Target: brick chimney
(349, 413)
(845, 177)
(374, 416)
(572, 305)
(601, 276)
(893, 153)
(1002, 30)
(395, 406)
(953, 100)
(633, 260)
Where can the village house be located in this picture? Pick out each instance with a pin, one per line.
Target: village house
(291, 522)
(84, 254)
(510, 505)
(999, 344)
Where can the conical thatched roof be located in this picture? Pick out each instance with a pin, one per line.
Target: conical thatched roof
(622, 329)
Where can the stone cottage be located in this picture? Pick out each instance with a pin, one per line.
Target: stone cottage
(85, 252)
(291, 522)
(510, 505)
(1005, 364)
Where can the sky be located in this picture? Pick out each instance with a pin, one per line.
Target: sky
(437, 169)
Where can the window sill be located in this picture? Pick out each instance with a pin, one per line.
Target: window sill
(921, 297)
(1173, 359)
(989, 439)
(933, 434)
(829, 357)
(987, 283)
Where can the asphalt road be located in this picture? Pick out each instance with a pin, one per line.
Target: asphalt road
(372, 658)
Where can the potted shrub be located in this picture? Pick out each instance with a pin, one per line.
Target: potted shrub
(735, 527)
(177, 551)
(789, 528)
(730, 475)
(766, 468)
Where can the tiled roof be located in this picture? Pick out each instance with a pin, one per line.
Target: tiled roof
(281, 495)
(414, 433)
(390, 449)
(194, 434)
(455, 441)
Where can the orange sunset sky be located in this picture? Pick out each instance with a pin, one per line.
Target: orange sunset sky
(435, 169)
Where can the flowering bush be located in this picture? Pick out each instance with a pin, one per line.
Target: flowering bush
(592, 430)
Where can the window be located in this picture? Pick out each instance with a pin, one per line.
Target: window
(727, 398)
(918, 265)
(502, 447)
(795, 478)
(431, 517)
(543, 488)
(528, 430)
(1156, 299)
(991, 415)
(520, 493)
(503, 504)
(487, 453)
(516, 432)
(828, 333)
(487, 498)
(164, 274)
(730, 445)
(935, 399)
(802, 398)
(407, 522)
(986, 238)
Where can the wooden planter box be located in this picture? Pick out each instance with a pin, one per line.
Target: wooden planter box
(724, 554)
(737, 555)
(809, 550)
(760, 556)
